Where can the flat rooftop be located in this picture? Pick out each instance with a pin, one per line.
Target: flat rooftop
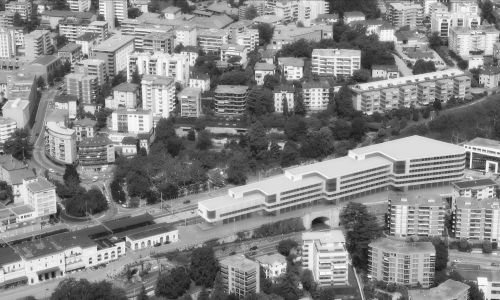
(126, 87)
(240, 262)
(416, 199)
(482, 142)
(271, 259)
(330, 236)
(473, 203)
(114, 43)
(450, 289)
(399, 246)
(231, 89)
(41, 184)
(8, 256)
(467, 184)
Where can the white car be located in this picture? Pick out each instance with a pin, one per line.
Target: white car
(52, 171)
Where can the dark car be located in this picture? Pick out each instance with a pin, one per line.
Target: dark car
(186, 201)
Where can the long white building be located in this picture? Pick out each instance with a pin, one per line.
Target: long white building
(335, 62)
(159, 63)
(468, 41)
(405, 164)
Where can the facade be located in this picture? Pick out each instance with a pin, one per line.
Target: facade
(71, 53)
(40, 194)
(88, 41)
(292, 68)
(192, 53)
(73, 28)
(186, 35)
(385, 95)
(335, 62)
(93, 67)
(159, 42)
(201, 81)
(420, 215)
(114, 52)
(401, 262)
(83, 86)
(227, 51)
(273, 264)
(316, 95)
(38, 43)
(284, 94)
(96, 152)
(230, 99)
(124, 95)
(261, 71)
(483, 154)
(324, 253)
(479, 188)
(212, 40)
(7, 128)
(79, 5)
(132, 121)
(385, 72)
(8, 47)
(113, 10)
(190, 102)
(159, 64)
(84, 128)
(22, 7)
(60, 143)
(240, 276)
(448, 290)
(468, 41)
(462, 14)
(489, 284)
(476, 219)
(401, 164)
(158, 94)
(489, 77)
(150, 236)
(401, 14)
(17, 110)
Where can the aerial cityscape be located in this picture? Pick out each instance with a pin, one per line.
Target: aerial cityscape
(250, 149)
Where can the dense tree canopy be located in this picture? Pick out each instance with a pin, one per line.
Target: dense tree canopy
(173, 284)
(368, 7)
(421, 66)
(204, 266)
(86, 202)
(82, 289)
(19, 145)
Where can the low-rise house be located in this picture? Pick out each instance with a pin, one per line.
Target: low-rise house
(262, 70)
(489, 77)
(292, 68)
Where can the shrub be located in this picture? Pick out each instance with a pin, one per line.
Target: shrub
(280, 227)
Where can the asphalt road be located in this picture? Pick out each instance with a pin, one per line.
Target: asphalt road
(483, 260)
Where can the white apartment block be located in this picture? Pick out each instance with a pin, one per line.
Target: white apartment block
(190, 102)
(114, 52)
(475, 219)
(158, 94)
(22, 7)
(201, 81)
(60, 143)
(231, 50)
(324, 253)
(40, 194)
(160, 64)
(315, 95)
(79, 5)
(262, 70)
(291, 68)
(212, 40)
(186, 35)
(489, 284)
(8, 47)
(240, 276)
(7, 128)
(83, 86)
(406, 91)
(273, 264)
(93, 67)
(489, 77)
(335, 62)
(248, 38)
(230, 100)
(467, 41)
(402, 14)
(38, 43)
(475, 188)
(284, 94)
(132, 121)
(483, 154)
(192, 55)
(364, 171)
(464, 15)
(397, 261)
(125, 95)
(74, 28)
(113, 9)
(416, 215)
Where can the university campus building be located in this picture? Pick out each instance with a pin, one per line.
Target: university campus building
(409, 163)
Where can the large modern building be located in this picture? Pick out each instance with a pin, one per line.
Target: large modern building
(401, 262)
(483, 154)
(114, 52)
(468, 41)
(416, 215)
(324, 253)
(385, 95)
(335, 62)
(476, 219)
(160, 64)
(409, 163)
(158, 94)
(96, 153)
(17, 110)
(212, 40)
(230, 100)
(463, 14)
(240, 276)
(60, 143)
(401, 14)
(8, 48)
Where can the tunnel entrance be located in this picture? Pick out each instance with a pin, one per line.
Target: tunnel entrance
(320, 223)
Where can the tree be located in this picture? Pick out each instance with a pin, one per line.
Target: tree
(441, 253)
(102, 117)
(71, 175)
(173, 284)
(288, 286)
(487, 12)
(474, 292)
(40, 83)
(358, 128)
(82, 289)
(179, 48)
(487, 248)
(204, 141)
(204, 266)
(235, 77)
(136, 78)
(266, 32)
(435, 40)
(361, 75)
(318, 144)
(437, 105)
(165, 129)
(133, 12)
(290, 155)
(18, 20)
(119, 79)
(257, 139)
(295, 128)
(326, 293)
(19, 145)
(307, 280)
(191, 136)
(285, 246)
(218, 290)
(61, 41)
(343, 103)
(421, 66)
(5, 191)
(251, 13)
(86, 202)
(236, 172)
(367, 7)
(143, 295)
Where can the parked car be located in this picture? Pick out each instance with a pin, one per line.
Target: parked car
(495, 264)
(186, 201)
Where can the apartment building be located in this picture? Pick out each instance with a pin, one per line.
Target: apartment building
(113, 10)
(315, 95)
(17, 110)
(324, 253)
(158, 42)
(212, 40)
(489, 284)
(335, 62)
(273, 264)
(132, 121)
(88, 41)
(114, 52)
(190, 102)
(158, 94)
(401, 262)
(79, 5)
(468, 41)
(7, 128)
(416, 215)
(8, 47)
(192, 52)
(483, 154)
(284, 96)
(406, 164)
(262, 70)
(463, 14)
(201, 81)
(240, 276)
(230, 99)
(71, 53)
(289, 33)
(476, 219)
(159, 64)
(448, 290)
(229, 51)
(21, 7)
(247, 37)
(403, 14)
(475, 188)
(6, 18)
(60, 143)
(38, 43)
(150, 35)
(388, 94)
(125, 95)
(85, 87)
(84, 128)
(40, 194)
(489, 77)
(291, 68)
(93, 67)
(96, 153)
(186, 35)
(72, 28)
